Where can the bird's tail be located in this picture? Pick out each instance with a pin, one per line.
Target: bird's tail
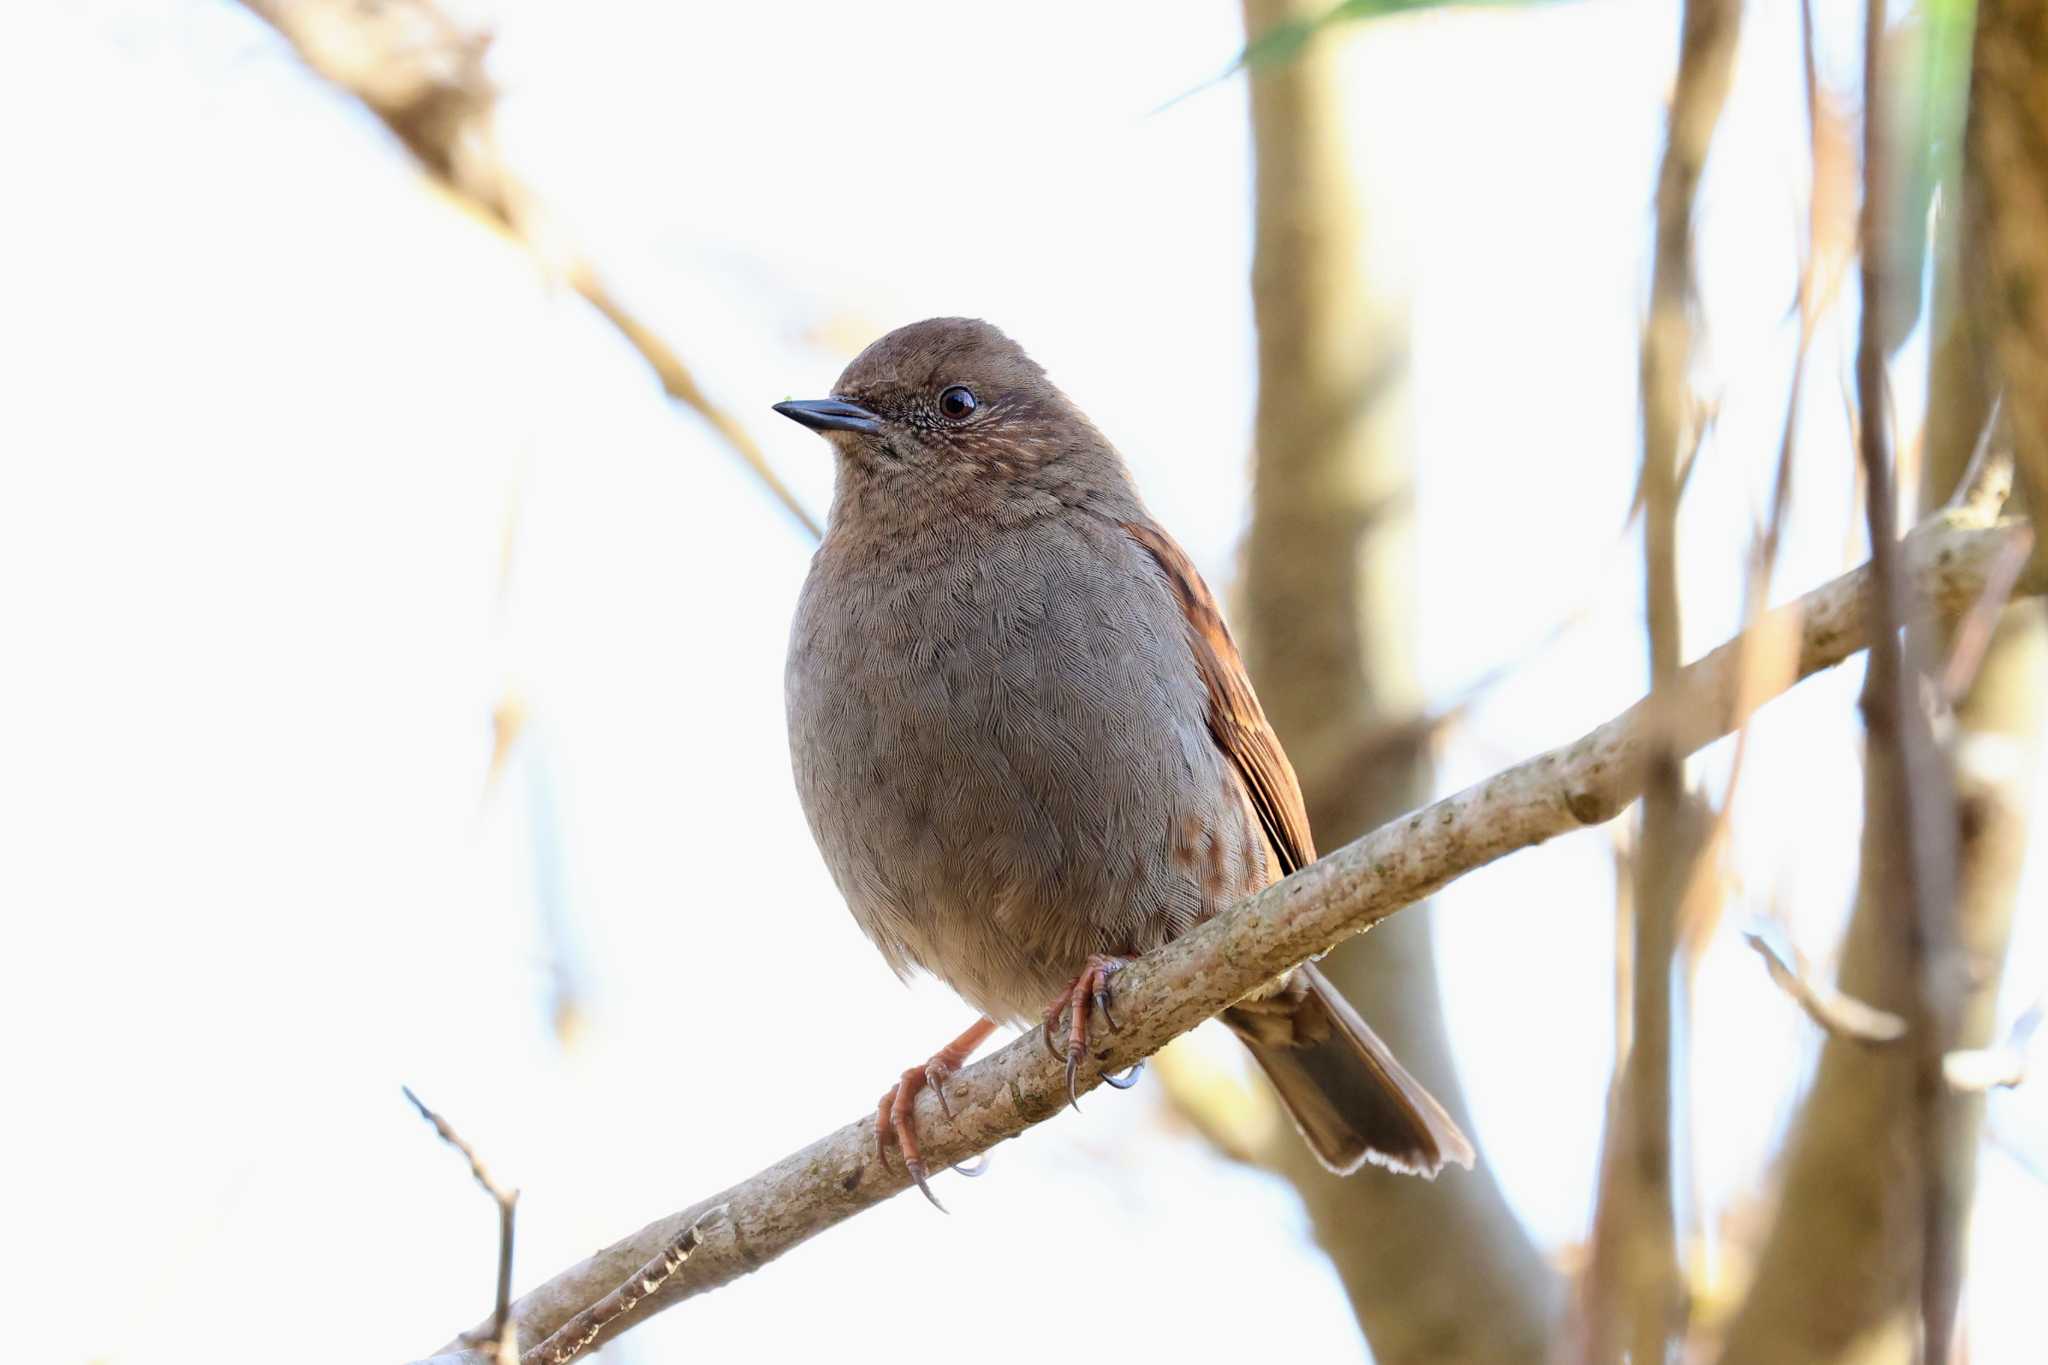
(1351, 1100)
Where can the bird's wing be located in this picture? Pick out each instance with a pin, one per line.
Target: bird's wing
(1236, 720)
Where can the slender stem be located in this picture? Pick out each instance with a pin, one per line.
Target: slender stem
(1909, 785)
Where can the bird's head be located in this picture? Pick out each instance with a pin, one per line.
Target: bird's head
(951, 406)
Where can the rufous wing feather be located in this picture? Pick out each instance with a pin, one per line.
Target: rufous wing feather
(1236, 720)
(1350, 1099)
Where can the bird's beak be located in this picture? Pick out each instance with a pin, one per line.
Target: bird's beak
(829, 414)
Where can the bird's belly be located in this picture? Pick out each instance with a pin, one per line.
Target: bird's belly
(999, 793)
(994, 880)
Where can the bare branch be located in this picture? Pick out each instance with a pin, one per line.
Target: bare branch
(500, 1333)
(1380, 745)
(1634, 1292)
(1973, 633)
(449, 1136)
(1987, 480)
(1168, 992)
(1839, 1015)
(1912, 798)
(421, 71)
(579, 1331)
(1835, 1272)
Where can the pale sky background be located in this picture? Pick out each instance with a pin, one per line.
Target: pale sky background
(269, 405)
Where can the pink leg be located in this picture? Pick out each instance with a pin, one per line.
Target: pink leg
(894, 1123)
(1091, 987)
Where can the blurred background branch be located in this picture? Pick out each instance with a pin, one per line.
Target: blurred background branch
(1329, 620)
(1909, 809)
(422, 71)
(1635, 1296)
(1846, 1255)
(2006, 190)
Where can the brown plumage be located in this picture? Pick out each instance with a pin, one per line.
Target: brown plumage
(1026, 743)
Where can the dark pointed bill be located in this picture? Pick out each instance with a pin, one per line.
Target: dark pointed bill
(829, 414)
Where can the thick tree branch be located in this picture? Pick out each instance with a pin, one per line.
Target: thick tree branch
(1586, 782)
(421, 72)
(2006, 191)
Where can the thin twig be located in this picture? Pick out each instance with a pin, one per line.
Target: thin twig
(1168, 992)
(421, 71)
(1771, 655)
(1635, 1301)
(1839, 1015)
(1987, 479)
(1912, 798)
(1366, 757)
(502, 1333)
(449, 1136)
(1973, 633)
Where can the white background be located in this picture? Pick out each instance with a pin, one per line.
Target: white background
(271, 405)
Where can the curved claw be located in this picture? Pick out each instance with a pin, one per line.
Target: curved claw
(1051, 1027)
(978, 1168)
(1127, 1078)
(1102, 1003)
(923, 1178)
(883, 1129)
(1090, 987)
(896, 1112)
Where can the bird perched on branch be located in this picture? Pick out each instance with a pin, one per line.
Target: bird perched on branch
(1027, 746)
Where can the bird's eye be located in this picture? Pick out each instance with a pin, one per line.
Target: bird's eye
(957, 402)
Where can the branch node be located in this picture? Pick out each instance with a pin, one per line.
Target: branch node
(503, 1333)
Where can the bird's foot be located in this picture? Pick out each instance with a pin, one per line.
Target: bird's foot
(895, 1115)
(1090, 988)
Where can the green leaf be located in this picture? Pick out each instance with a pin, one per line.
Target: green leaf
(1925, 73)
(1284, 42)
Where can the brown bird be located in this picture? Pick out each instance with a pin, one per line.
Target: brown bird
(1027, 746)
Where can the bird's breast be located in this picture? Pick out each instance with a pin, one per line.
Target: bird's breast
(1001, 745)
